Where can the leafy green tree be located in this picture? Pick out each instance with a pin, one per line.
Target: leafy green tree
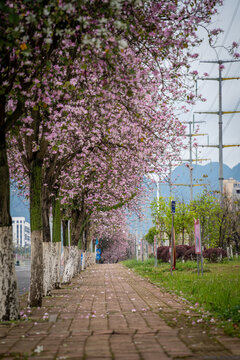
(161, 214)
(230, 224)
(219, 225)
(208, 210)
(184, 220)
(162, 217)
(149, 237)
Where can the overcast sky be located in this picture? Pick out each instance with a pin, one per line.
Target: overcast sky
(228, 20)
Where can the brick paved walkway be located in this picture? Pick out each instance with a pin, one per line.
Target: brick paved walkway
(110, 313)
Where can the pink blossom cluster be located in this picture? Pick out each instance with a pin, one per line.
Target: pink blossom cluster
(94, 89)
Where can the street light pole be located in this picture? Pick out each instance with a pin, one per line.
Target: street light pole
(220, 134)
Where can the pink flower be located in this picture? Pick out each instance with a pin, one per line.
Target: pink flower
(216, 31)
(47, 100)
(194, 72)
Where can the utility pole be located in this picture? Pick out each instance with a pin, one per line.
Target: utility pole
(191, 184)
(190, 123)
(220, 113)
(220, 133)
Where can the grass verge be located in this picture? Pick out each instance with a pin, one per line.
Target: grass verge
(217, 291)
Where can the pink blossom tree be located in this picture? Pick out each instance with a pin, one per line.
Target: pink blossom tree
(132, 56)
(112, 230)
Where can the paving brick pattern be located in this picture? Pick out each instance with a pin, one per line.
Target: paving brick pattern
(108, 312)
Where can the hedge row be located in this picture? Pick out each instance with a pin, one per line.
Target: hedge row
(186, 252)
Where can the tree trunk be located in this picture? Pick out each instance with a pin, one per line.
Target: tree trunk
(5, 217)
(47, 268)
(65, 232)
(77, 263)
(87, 234)
(221, 234)
(183, 237)
(56, 265)
(71, 265)
(47, 248)
(68, 268)
(56, 245)
(235, 239)
(9, 302)
(36, 282)
(65, 255)
(66, 243)
(76, 226)
(45, 215)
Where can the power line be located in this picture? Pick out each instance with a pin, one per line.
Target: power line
(230, 25)
(231, 22)
(208, 153)
(235, 11)
(231, 117)
(220, 113)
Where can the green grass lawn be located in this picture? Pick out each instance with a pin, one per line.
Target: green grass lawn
(217, 291)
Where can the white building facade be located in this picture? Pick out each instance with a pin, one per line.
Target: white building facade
(231, 188)
(21, 232)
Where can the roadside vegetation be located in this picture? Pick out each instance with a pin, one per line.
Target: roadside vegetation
(216, 293)
(219, 224)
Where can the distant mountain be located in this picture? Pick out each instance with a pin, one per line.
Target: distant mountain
(236, 172)
(205, 175)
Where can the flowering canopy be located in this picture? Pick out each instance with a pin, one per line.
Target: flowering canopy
(92, 87)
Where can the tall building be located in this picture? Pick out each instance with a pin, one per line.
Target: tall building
(231, 188)
(21, 232)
